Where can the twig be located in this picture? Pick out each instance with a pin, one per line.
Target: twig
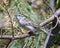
(47, 39)
(57, 13)
(8, 43)
(15, 37)
(9, 17)
(25, 43)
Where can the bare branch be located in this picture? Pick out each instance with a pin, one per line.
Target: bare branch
(48, 37)
(57, 13)
(9, 17)
(15, 37)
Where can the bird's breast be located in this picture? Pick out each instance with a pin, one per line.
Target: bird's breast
(31, 28)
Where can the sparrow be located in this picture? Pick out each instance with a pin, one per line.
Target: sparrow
(27, 23)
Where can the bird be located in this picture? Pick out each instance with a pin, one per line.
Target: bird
(27, 23)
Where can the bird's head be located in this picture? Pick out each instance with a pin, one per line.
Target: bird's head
(19, 16)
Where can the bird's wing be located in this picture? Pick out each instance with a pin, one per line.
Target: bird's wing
(30, 22)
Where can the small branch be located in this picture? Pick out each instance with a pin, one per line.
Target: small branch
(8, 43)
(15, 37)
(47, 39)
(57, 13)
(9, 17)
(25, 43)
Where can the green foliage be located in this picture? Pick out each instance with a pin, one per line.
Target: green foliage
(16, 44)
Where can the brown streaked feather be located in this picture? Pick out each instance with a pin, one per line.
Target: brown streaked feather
(30, 22)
